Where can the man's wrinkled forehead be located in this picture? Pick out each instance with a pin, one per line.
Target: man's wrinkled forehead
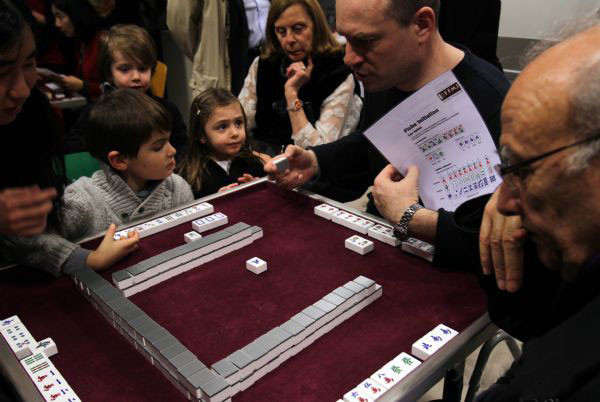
(535, 112)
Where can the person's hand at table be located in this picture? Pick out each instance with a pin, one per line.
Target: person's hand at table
(297, 75)
(72, 83)
(110, 250)
(501, 246)
(303, 165)
(24, 211)
(393, 193)
(228, 187)
(245, 178)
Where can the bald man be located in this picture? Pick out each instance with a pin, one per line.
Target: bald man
(550, 152)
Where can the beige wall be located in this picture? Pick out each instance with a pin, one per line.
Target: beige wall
(531, 19)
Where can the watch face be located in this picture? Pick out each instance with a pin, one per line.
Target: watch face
(297, 104)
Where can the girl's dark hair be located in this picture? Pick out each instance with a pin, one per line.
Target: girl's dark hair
(34, 135)
(83, 16)
(198, 152)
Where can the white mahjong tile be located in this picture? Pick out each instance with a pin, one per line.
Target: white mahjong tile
(325, 211)
(19, 339)
(359, 245)
(9, 322)
(355, 396)
(425, 348)
(445, 331)
(370, 389)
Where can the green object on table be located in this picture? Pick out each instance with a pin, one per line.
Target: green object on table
(80, 164)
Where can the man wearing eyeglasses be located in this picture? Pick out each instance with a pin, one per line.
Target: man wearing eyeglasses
(550, 152)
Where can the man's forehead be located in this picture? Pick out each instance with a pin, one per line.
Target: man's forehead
(534, 117)
(359, 16)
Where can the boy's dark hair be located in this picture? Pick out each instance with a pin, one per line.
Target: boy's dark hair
(122, 121)
(83, 16)
(134, 43)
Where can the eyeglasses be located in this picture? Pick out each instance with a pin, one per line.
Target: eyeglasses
(522, 169)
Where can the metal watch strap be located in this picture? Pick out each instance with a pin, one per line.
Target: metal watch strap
(401, 228)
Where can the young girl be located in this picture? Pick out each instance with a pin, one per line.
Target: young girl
(219, 156)
(127, 60)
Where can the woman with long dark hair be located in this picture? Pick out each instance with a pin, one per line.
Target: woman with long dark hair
(32, 168)
(78, 19)
(30, 134)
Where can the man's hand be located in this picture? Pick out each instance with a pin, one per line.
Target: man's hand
(500, 246)
(110, 250)
(393, 193)
(303, 166)
(23, 211)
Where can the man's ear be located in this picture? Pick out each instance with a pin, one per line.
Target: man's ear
(117, 161)
(424, 22)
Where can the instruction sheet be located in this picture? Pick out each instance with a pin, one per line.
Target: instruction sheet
(439, 129)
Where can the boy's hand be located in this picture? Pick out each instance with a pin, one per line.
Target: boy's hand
(303, 166)
(110, 250)
(23, 211)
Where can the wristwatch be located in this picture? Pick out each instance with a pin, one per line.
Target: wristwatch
(401, 228)
(295, 106)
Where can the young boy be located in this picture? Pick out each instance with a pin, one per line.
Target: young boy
(128, 132)
(127, 60)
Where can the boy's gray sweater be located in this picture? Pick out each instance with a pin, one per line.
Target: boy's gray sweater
(90, 206)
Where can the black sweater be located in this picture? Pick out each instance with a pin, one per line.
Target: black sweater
(214, 176)
(486, 86)
(559, 323)
(273, 124)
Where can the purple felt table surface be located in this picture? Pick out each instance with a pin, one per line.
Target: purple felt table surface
(220, 307)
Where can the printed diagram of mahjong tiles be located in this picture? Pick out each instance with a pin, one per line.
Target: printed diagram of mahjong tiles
(35, 359)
